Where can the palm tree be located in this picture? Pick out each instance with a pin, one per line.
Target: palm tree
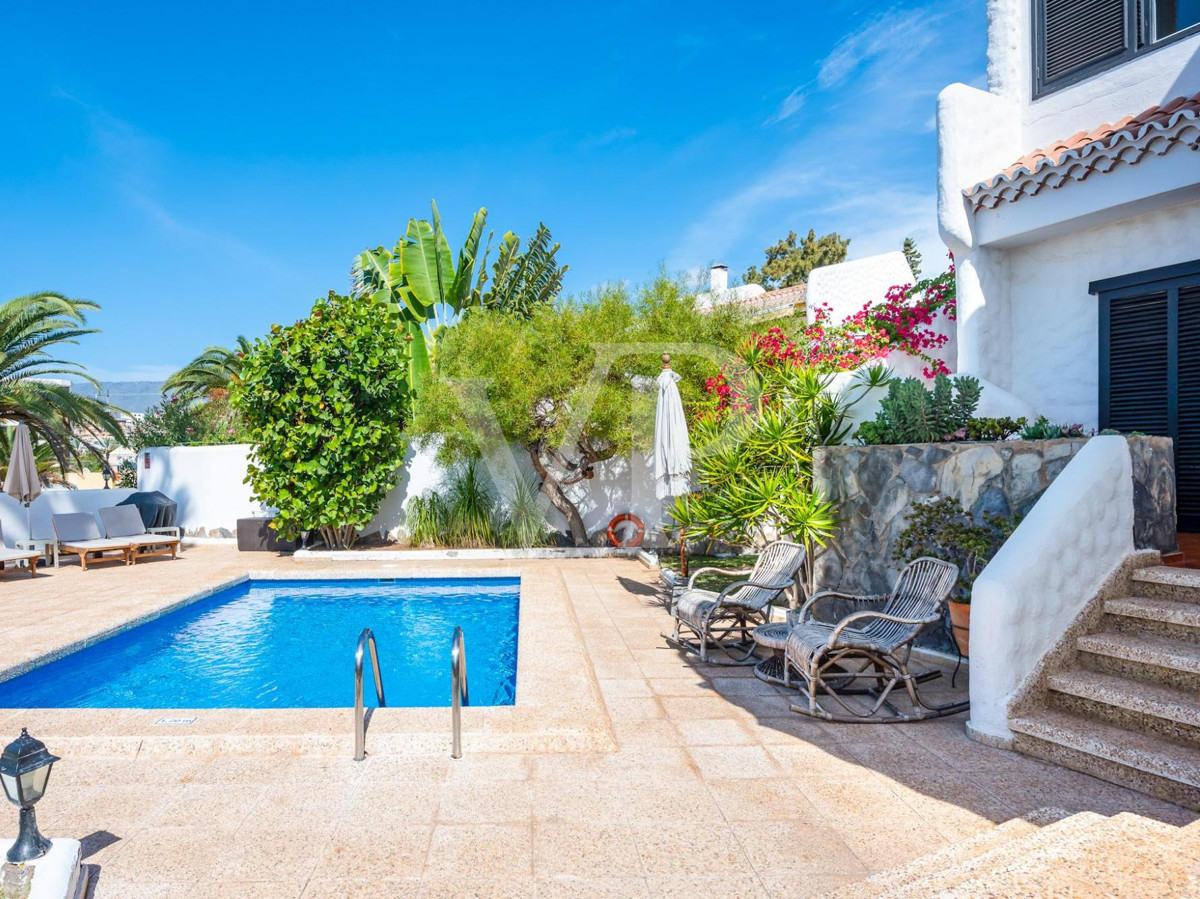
(50, 472)
(32, 328)
(214, 369)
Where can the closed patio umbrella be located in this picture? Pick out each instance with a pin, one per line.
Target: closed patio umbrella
(672, 452)
(22, 482)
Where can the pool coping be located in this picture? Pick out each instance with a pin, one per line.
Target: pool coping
(558, 704)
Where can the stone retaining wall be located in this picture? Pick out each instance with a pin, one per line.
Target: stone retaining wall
(875, 486)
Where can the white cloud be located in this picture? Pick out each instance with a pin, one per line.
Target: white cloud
(791, 105)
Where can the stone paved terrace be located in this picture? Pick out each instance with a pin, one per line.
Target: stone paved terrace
(676, 779)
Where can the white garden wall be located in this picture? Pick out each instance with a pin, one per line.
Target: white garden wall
(1076, 535)
(207, 483)
(52, 502)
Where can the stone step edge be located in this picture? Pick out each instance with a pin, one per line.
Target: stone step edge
(1141, 752)
(1167, 576)
(1166, 611)
(1155, 700)
(1161, 652)
(1002, 834)
(1111, 843)
(1060, 833)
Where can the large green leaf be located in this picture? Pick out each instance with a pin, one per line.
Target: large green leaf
(460, 292)
(419, 369)
(426, 263)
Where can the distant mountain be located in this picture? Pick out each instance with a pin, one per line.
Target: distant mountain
(132, 396)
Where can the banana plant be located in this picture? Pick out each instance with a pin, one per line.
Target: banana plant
(420, 278)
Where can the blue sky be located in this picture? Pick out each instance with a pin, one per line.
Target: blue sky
(205, 170)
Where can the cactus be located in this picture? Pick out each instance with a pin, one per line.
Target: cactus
(912, 414)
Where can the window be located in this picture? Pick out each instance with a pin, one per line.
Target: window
(1150, 367)
(1074, 39)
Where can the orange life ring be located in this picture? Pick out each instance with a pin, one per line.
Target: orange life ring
(635, 540)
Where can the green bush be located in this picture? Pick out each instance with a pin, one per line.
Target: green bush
(993, 428)
(911, 414)
(325, 403)
(943, 529)
(177, 422)
(1044, 429)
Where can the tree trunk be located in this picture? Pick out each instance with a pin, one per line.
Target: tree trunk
(554, 492)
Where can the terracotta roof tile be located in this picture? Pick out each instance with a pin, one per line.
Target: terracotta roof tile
(1084, 143)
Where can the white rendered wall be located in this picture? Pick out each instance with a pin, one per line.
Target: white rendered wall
(1055, 321)
(848, 286)
(1037, 584)
(52, 502)
(207, 483)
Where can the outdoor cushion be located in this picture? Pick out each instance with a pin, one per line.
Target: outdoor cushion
(73, 527)
(151, 539)
(123, 521)
(17, 555)
(97, 545)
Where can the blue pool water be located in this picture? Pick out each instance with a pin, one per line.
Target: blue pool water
(290, 644)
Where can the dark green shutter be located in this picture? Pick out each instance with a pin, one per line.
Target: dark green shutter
(1076, 34)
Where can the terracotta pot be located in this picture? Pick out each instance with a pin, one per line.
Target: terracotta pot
(960, 623)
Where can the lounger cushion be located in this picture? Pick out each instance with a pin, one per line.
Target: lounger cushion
(122, 521)
(72, 527)
(152, 540)
(17, 555)
(95, 545)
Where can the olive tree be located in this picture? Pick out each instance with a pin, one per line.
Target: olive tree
(325, 403)
(562, 382)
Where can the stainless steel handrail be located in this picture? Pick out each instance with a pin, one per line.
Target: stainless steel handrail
(365, 639)
(458, 689)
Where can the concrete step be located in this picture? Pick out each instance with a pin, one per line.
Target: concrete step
(1141, 761)
(1146, 657)
(1136, 705)
(955, 854)
(1165, 582)
(1126, 855)
(938, 882)
(1150, 614)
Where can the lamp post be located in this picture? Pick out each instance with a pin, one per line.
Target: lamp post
(107, 475)
(24, 769)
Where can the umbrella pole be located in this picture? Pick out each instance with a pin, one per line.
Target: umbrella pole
(28, 522)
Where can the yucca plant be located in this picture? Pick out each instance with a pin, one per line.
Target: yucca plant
(470, 509)
(524, 521)
(425, 519)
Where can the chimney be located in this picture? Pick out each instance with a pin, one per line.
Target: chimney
(718, 278)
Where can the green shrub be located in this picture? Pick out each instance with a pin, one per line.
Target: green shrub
(993, 428)
(523, 523)
(177, 422)
(127, 475)
(911, 414)
(1044, 429)
(470, 509)
(425, 520)
(943, 529)
(325, 403)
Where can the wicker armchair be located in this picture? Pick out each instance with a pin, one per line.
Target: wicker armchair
(867, 652)
(726, 620)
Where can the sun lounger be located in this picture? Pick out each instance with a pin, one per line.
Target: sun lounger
(78, 534)
(125, 523)
(18, 555)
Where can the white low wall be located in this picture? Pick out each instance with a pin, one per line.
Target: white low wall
(1079, 532)
(52, 502)
(207, 483)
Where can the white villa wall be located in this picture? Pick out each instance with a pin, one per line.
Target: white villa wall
(1076, 535)
(207, 483)
(1055, 321)
(52, 502)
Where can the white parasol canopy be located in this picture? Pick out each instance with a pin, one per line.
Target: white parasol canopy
(672, 452)
(22, 482)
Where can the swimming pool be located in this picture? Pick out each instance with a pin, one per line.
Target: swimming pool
(290, 644)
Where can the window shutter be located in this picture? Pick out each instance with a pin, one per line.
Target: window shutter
(1077, 33)
(1137, 365)
(1187, 443)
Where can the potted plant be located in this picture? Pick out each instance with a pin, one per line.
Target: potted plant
(942, 528)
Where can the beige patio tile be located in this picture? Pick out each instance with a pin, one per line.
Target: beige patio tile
(206, 805)
(636, 709)
(294, 853)
(650, 732)
(120, 808)
(188, 854)
(670, 851)
(584, 849)
(713, 732)
(666, 802)
(495, 766)
(349, 887)
(789, 886)
(486, 802)
(679, 708)
(467, 850)
(388, 803)
(766, 799)
(687, 886)
(800, 848)
(433, 887)
(571, 887)
(729, 762)
(371, 854)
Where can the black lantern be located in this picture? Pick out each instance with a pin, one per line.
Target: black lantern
(107, 475)
(24, 769)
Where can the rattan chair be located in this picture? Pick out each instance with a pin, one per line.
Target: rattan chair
(726, 620)
(866, 653)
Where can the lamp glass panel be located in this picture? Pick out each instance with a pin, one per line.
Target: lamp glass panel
(10, 788)
(33, 783)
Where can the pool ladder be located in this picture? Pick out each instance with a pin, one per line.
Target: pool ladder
(458, 686)
(365, 639)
